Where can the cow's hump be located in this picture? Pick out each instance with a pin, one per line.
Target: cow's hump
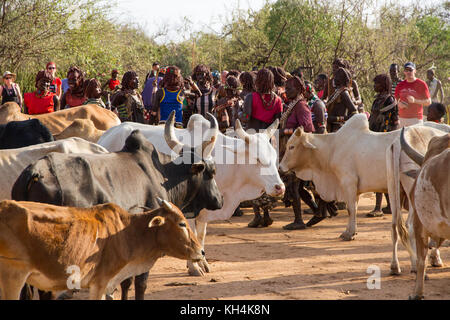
(358, 122)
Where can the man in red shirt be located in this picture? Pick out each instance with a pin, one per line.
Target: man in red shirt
(411, 95)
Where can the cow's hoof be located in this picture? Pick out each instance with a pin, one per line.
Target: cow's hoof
(416, 297)
(374, 213)
(203, 264)
(295, 226)
(66, 295)
(196, 272)
(436, 262)
(395, 271)
(346, 236)
(314, 220)
(267, 222)
(255, 222)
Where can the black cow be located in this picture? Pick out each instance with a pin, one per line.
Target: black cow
(19, 134)
(132, 178)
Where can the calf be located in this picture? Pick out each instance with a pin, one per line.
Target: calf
(40, 244)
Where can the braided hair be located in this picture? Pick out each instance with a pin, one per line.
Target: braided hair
(126, 79)
(79, 90)
(342, 77)
(91, 86)
(297, 83)
(384, 80)
(264, 82)
(42, 74)
(173, 79)
(202, 68)
(279, 76)
(248, 81)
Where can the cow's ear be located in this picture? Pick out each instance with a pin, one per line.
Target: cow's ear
(299, 131)
(156, 222)
(412, 173)
(197, 168)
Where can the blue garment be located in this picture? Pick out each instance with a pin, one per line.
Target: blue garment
(148, 91)
(65, 85)
(171, 100)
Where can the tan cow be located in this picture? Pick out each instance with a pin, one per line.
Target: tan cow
(82, 128)
(56, 122)
(53, 248)
(430, 199)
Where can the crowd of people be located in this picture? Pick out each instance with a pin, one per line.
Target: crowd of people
(257, 98)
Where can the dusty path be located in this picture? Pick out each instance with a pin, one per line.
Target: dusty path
(273, 263)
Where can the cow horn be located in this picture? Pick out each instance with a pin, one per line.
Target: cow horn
(413, 154)
(169, 134)
(241, 132)
(208, 145)
(270, 131)
(167, 205)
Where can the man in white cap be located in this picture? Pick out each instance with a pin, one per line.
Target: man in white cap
(10, 91)
(411, 95)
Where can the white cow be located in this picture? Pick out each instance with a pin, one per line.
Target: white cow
(14, 161)
(246, 166)
(347, 163)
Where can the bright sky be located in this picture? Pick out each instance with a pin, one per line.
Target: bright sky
(152, 15)
(205, 15)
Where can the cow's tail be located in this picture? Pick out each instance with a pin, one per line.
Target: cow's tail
(23, 184)
(396, 202)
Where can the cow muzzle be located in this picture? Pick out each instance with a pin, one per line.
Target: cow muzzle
(279, 189)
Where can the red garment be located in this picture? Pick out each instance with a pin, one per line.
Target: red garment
(300, 116)
(73, 101)
(56, 83)
(265, 114)
(113, 83)
(419, 90)
(320, 94)
(39, 104)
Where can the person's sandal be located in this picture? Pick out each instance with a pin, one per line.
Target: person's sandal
(374, 213)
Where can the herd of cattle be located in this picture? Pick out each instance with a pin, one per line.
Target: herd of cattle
(81, 189)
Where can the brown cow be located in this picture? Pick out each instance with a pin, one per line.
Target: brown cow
(56, 122)
(43, 244)
(82, 128)
(430, 201)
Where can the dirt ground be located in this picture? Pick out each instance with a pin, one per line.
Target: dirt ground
(272, 263)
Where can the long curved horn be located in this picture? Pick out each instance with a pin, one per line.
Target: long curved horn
(241, 132)
(413, 154)
(208, 145)
(169, 134)
(270, 131)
